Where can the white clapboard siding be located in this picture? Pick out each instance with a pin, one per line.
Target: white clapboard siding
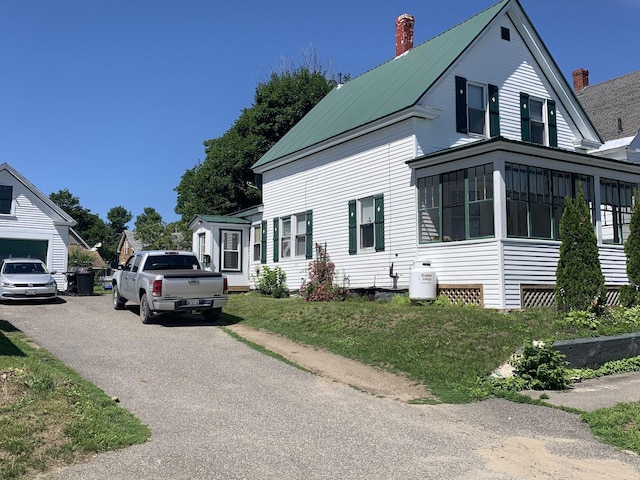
(373, 164)
(462, 263)
(613, 263)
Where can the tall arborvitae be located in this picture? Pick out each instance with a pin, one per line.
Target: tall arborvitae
(629, 294)
(579, 279)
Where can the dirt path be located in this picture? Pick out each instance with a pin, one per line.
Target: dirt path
(509, 456)
(336, 368)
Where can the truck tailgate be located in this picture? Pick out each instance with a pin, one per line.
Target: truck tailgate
(192, 284)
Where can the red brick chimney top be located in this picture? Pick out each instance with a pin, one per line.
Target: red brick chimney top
(404, 33)
(580, 79)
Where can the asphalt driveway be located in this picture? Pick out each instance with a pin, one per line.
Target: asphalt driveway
(220, 410)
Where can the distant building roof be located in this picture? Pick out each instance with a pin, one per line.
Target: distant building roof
(614, 106)
(130, 236)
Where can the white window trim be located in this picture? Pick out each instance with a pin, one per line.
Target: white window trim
(360, 223)
(223, 268)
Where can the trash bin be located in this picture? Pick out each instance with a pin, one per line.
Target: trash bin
(80, 280)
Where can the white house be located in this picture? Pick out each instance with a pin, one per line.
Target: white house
(228, 244)
(459, 151)
(31, 225)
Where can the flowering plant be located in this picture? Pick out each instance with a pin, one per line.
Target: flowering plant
(320, 286)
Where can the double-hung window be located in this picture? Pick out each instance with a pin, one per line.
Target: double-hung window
(202, 246)
(6, 198)
(538, 121)
(257, 243)
(301, 234)
(230, 250)
(477, 108)
(285, 239)
(366, 224)
(295, 236)
(366, 217)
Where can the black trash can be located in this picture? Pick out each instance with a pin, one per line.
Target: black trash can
(80, 280)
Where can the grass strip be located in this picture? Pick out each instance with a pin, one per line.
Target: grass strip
(50, 415)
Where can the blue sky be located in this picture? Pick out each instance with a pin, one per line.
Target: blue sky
(113, 100)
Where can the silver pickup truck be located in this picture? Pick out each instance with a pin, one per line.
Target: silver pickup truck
(164, 281)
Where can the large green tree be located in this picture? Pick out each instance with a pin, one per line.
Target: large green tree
(579, 279)
(224, 182)
(89, 225)
(155, 234)
(94, 230)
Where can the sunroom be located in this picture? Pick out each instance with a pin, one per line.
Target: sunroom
(489, 215)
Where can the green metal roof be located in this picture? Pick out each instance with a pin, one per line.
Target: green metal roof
(223, 219)
(389, 88)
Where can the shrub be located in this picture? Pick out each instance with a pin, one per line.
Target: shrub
(272, 282)
(542, 367)
(320, 286)
(579, 279)
(630, 294)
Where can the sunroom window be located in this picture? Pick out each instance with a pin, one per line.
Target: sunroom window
(536, 198)
(456, 205)
(616, 202)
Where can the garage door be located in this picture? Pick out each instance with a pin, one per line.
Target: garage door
(15, 247)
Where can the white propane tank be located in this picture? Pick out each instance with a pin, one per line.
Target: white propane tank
(423, 283)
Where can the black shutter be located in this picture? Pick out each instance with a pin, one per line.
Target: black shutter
(552, 121)
(353, 232)
(379, 222)
(263, 243)
(309, 234)
(494, 112)
(461, 105)
(276, 239)
(525, 128)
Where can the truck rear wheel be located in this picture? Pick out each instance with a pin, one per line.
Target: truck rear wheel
(212, 315)
(145, 310)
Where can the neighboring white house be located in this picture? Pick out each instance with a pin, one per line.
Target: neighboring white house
(31, 225)
(227, 244)
(459, 151)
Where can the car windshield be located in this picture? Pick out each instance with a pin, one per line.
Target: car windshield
(172, 262)
(24, 268)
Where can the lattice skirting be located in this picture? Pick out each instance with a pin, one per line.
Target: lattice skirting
(469, 294)
(544, 295)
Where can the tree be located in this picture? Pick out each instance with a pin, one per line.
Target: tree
(224, 182)
(629, 293)
(89, 225)
(150, 230)
(579, 279)
(118, 218)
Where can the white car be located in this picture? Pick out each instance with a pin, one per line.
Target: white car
(26, 279)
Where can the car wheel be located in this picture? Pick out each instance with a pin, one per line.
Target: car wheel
(118, 301)
(145, 310)
(212, 315)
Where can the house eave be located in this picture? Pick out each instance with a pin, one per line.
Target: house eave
(501, 144)
(423, 112)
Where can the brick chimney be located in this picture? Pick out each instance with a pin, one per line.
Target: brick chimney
(404, 33)
(580, 79)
